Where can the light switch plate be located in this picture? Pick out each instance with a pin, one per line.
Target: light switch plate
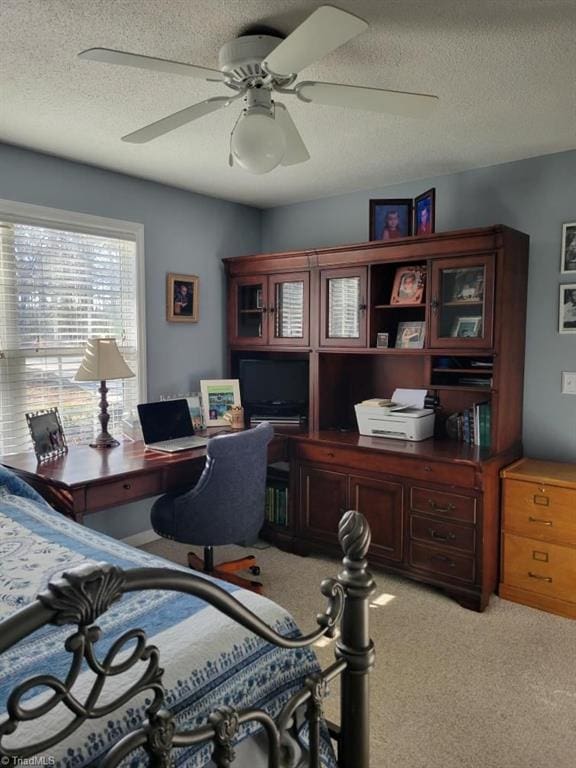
(568, 383)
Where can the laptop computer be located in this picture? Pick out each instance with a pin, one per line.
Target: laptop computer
(167, 426)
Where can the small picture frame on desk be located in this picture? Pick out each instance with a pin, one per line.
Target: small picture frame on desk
(382, 340)
(47, 434)
(410, 334)
(218, 397)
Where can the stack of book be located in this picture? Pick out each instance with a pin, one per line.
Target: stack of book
(276, 502)
(473, 425)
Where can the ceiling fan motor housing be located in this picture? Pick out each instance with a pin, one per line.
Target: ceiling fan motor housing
(242, 57)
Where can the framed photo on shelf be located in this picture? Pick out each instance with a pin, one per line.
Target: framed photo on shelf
(390, 219)
(425, 212)
(47, 434)
(408, 285)
(218, 396)
(567, 308)
(467, 327)
(181, 298)
(467, 286)
(382, 340)
(410, 334)
(568, 261)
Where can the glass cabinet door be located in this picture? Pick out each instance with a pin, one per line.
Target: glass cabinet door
(462, 302)
(249, 297)
(343, 307)
(290, 309)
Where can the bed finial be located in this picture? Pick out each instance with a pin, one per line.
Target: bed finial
(354, 535)
(83, 593)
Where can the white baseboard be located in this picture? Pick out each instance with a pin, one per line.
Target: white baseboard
(144, 537)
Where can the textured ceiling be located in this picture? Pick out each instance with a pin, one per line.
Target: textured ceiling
(504, 71)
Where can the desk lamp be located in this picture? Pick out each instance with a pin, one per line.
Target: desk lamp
(103, 362)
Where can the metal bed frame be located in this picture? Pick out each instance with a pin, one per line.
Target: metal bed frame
(84, 593)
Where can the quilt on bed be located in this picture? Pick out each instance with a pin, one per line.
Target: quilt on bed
(208, 659)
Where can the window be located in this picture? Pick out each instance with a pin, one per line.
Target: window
(59, 286)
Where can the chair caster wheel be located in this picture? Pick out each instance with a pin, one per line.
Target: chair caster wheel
(255, 570)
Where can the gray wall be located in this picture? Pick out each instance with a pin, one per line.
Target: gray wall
(535, 196)
(183, 232)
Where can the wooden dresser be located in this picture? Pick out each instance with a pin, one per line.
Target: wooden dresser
(539, 535)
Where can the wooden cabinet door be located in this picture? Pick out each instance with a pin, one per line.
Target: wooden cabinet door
(343, 315)
(462, 302)
(381, 503)
(289, 310)
(247, 310)
(322, 497)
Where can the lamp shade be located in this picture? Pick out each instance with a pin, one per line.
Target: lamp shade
(102, 362)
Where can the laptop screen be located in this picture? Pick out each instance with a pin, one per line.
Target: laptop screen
(165, 420)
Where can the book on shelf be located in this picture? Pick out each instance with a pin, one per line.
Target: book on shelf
(276, 509)
(473, 425)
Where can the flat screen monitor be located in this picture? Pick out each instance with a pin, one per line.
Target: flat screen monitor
(282, 383)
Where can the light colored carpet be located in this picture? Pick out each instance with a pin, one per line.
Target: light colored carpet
(451, 688)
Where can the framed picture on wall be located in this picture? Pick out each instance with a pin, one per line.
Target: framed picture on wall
(218, 396)
(181, 298)
(390, 219)
(568, 261)
(425, 212)
(567, 308)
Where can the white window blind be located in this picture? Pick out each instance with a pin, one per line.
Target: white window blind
(289, 310)
(58, 288)
(343, 301)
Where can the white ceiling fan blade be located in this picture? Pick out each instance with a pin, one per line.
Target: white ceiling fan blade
(170, 123)
(296, 151)
(108, 56)
(370, 99)
(323, 31)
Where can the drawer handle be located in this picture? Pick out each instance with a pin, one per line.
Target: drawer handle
(329, 453)
(127, 486)
(444, 559)
(539, 520)
(443, 537)
(436, 508)
(427, 468)
(540, 578)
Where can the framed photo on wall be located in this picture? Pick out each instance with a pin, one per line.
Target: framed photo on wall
(182, 298)
(568, 261)
(567, 308)
(390, 219)
(47, 434)
(425, 212)
(218, 396)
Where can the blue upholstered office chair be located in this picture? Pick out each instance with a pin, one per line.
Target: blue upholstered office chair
(225, 507)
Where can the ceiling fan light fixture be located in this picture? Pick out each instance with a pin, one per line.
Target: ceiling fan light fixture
(258, 141)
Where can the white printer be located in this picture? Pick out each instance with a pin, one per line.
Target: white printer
(401, 418)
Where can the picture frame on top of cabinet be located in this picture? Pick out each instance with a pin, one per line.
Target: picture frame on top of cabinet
(425, 213)
(390, 219)
(568, 254)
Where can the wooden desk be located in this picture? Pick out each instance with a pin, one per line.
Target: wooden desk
(87, 480)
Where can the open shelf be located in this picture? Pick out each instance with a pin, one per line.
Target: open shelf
(400, 306)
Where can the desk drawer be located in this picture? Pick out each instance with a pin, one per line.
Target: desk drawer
(451, 506)
(386, 463)
(540, 567)
(442, 563)
(432, 531)
(104, 495)
(540, 511)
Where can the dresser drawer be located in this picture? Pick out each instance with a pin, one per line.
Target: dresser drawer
(386, 463)
(452, 506)
(432, 531)
(119, 492)
(540, 567)
(442, 563)
(540, 511)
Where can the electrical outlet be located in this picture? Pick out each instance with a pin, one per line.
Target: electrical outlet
(568, 383)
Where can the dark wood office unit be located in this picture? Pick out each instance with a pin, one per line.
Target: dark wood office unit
(433, 506)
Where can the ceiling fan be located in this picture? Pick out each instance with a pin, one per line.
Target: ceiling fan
(254, 66)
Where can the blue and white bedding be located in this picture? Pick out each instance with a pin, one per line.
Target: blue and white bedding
(208, 659)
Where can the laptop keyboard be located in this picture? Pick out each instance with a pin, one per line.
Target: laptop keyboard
(179, 443)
